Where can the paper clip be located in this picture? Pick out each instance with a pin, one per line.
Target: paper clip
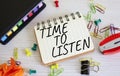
(100, 6)
(99, 9)
(90, 25)
(96, 30)
(104, 29)
(92, 8)
(96, 36)
(15, 54)
(89, 16)
(115, 28)
(112, 29)
(59, 71)
(106, 34)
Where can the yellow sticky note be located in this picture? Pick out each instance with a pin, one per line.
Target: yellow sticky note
(14, 28)
(9, 33)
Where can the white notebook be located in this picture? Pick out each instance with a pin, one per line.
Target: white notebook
(63, 38)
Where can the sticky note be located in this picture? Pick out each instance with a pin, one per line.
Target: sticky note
(14, 28)
(40, 5)
(9, 33)
(25, 18)
(20, 23)
(30, 14)
(4, 38)
(35, 9)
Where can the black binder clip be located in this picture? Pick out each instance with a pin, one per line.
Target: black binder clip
(85, 67)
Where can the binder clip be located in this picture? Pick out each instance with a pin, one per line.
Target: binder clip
(110, 45)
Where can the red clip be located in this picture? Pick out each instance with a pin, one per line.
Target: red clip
(56, 3)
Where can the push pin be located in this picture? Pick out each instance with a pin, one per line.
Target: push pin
(56, 3)
(34, 48)
(54, 66)
(32, 71)
(28, 52)
(97, 22)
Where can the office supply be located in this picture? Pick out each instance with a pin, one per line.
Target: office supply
(90, 25)
(88, 64)
(56, 3)
(97, 22)
(12, 69)
(34, 48)
(63, 38)
(15, 54)
(16, 15)
(55, 70)
(110, 45)
(31, 71)
(28, 52)
(85, 67)
(100, 8)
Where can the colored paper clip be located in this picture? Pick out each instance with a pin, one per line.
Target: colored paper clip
(96, 36)
(96, 30)
(89, 16)
(115, 28)
(104, 29)
(110, 45)
(59, 71)
(90, 25)
(106, 34)
(112, 29)
(15, 54)
(100, 6)
(100, 9)
(92, 8)
(54, 71)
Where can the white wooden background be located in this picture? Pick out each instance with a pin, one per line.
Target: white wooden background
(109, 64)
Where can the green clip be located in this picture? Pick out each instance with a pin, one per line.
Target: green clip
(106, 33)
(92, 8)
(59, 71)
(88, 17)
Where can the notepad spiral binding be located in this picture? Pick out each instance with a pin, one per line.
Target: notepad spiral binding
(73, 15)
